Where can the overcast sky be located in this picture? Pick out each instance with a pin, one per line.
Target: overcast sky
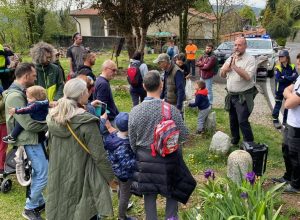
(254, 3)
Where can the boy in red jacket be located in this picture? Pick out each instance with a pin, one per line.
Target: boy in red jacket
(202, 102)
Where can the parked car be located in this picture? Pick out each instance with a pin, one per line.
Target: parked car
(265, 52)
(224, 51)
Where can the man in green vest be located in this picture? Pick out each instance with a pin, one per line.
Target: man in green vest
(173, 89)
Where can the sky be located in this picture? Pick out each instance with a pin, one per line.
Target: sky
(257, 3)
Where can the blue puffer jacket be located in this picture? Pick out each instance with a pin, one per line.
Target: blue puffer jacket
(121, 156)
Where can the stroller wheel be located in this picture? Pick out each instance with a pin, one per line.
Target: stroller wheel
(6, 185)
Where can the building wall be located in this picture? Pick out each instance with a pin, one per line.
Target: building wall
(85, 26)
(199, 28)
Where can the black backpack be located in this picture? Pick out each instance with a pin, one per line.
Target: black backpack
(134, 76)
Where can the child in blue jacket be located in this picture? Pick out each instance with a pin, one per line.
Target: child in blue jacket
(202, 102)
(285, 75)
(121, 156)
(37, 107)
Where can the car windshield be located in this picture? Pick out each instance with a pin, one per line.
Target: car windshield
(225, 46)
(259, 44)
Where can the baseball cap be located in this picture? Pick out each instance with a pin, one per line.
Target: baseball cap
(283, 53)
(162, 57)
(121, 121)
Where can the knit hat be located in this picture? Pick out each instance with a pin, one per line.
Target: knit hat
(122, 121)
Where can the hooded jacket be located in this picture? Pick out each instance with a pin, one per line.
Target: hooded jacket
(201, 100)
(77, 181)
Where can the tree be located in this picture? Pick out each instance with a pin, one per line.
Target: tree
(133, 17)
(247, 13)
(279, 29)
(267, 17)
(219, 9)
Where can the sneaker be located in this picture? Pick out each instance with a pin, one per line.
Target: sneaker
(9, 139)
(290, 189)
(277, 125)
(130, 205)
(40, 208)
(31, 215)
(280, 180)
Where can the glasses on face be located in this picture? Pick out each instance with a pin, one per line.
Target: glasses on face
(114, 70)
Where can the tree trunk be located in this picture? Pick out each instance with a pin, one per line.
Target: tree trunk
(138, 37)
(143, 39)
(130, 43)
(180, 33)
(185, 31)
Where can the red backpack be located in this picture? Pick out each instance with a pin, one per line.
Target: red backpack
(166, 134)
(134, 76)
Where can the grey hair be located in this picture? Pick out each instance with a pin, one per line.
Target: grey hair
(107, 63)
(38, 53)
(152, 81)
(67, 105)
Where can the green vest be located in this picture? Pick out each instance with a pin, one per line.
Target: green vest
(2, 57)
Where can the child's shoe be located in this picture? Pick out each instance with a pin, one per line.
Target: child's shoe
(9, 139)
(199, 132)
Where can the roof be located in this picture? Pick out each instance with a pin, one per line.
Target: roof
(208, 16)
(84, 12)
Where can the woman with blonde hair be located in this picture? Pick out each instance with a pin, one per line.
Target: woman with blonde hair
(79, 172)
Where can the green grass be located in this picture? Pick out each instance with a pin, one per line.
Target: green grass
(195, 151)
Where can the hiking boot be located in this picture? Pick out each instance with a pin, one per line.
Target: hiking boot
(277, 125)
(31, 214)
(9, 139)
(40, 208)
(280, 180)
(290, 189)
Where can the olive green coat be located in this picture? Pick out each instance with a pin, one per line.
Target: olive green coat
(77, 181)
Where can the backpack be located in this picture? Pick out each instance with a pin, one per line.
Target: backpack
(170, 52)
(166, 134)
(134, 76)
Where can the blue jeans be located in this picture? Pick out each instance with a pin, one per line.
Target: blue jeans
(39, 175)
(209, 83)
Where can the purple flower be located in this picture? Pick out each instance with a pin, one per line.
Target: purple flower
(209, 173)
(244, 195)
(250, 177)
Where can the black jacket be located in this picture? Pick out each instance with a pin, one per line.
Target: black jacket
(167, 176)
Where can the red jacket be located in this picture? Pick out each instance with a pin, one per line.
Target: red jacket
(206, 65)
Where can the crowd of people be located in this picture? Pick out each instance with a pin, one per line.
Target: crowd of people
(92, 146)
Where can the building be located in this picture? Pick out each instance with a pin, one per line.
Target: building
(201, 25)
(90, 23)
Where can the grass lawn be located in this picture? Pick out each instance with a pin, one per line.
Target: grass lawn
(196, 155)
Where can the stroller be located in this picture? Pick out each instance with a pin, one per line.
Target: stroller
(16, 163)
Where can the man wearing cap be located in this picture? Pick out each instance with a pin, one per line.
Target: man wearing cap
(239, 70)
(285, 75)
(173, 87)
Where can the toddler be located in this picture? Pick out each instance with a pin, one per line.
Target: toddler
(202, 102)
(37, 107)
(122, 158)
